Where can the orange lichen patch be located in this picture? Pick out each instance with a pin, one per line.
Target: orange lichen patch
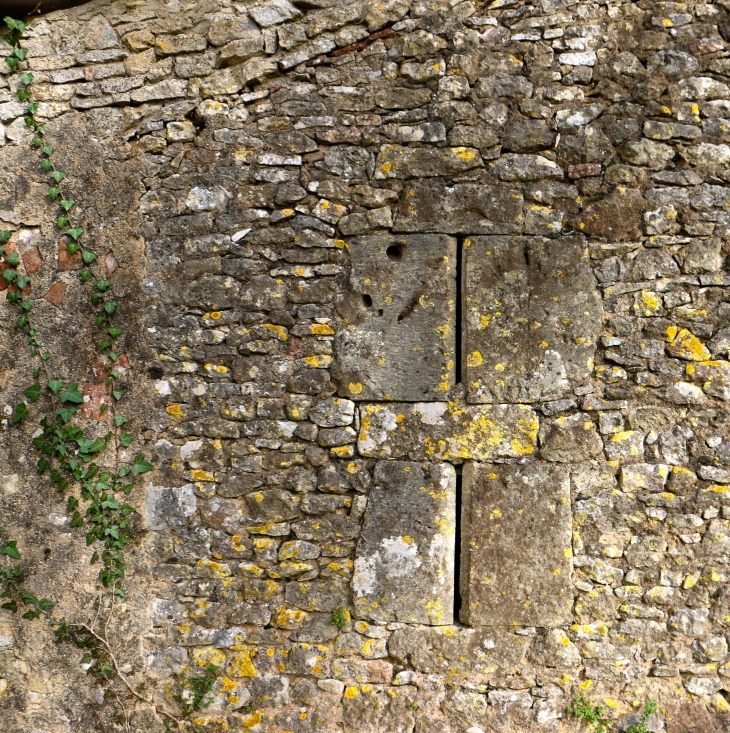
(95, 397)
(685, 345)
(110, 264)
(32, 260)
(56, 294)
(176, 412)
(66, 260)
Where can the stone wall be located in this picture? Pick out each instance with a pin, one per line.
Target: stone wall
(429, 319)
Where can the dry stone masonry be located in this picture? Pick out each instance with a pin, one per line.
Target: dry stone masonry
(429, 316)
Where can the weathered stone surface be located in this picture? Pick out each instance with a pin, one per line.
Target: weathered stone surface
(447, 431)
(461, 208)
(616, 219)
(570, 439)
(516, 545)
(398, 340)
(395, 161)
(405, 554)
(459, 653)
(378, 709)
(533, 317)
(221, 155)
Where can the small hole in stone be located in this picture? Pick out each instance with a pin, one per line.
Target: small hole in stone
(394, 252)
(380, 311)
(367, 300)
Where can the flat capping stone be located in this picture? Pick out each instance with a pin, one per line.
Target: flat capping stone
(516, 554)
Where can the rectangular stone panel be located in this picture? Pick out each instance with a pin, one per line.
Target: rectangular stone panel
(515, 545)
(533, 316)
(464, 207)
(397, 340)
(404, 566)
(447, 431)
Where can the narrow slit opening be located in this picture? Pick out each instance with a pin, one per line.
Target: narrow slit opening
(457, 546)
(459, 335)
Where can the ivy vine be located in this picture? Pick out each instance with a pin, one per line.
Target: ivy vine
(94, 495)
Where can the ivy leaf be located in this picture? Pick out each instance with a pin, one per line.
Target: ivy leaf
(72, 394)
(13, 259)
(11, 549)
(119, 420)
(102, 285)
(126, 439)
(55, 386)
(58, 176)
(20, 53)
(141, 465)
(94, 558)
(11, 606)
(22, 95)
(75, 233)
(47, 150)
(47, 165)
(33, 392)
(77, 520)
(115, 333)
(32, 108)
(73, 503)
(26, 78)
(62, 222)
(10, 275)
(54, 193)
(73, 248)
(118, 394)
(11, 62)
(89, 257)
(4, 236)
(21, 412)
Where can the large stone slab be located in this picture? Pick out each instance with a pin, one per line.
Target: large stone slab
(459, 654)
(515, 545)
(447, 431)
(399, 319)
(533, 316)
(464, 208)
(404, 566)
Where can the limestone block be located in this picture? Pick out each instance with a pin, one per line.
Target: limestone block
(464, 207)
(404, 564)
(399, 314)
(447, 431)
(458, 653)
(533, 316)
(516, 545)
